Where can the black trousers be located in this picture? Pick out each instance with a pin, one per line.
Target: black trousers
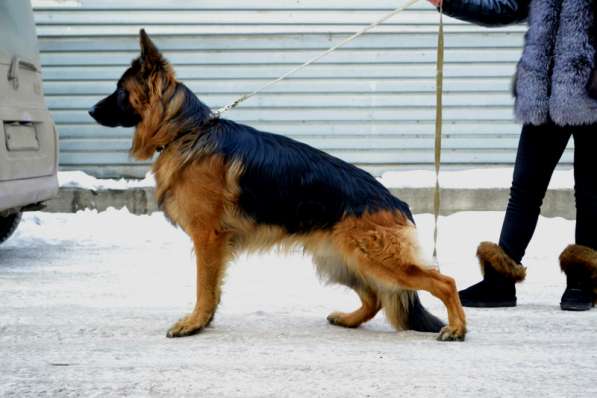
(539, 151)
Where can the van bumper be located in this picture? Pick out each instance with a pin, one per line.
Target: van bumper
(16, 194)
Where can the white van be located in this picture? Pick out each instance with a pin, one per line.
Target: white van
(28, 139)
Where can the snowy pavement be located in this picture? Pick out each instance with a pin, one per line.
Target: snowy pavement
(86, 300)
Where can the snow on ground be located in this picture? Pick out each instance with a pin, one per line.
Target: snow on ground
(80, 179)
(497, 177)
(87, 299)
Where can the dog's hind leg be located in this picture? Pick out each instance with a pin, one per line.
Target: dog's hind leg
(416, 277)
(382, 249)
(370, 306)
(211, 249)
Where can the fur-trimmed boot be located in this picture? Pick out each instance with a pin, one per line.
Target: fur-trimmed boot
(500, 273)
(579, 263)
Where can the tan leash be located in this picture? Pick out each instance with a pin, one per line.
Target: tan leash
(366, 29)
(439, 90)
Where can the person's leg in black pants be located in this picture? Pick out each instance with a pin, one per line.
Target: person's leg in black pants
(579, 261)
(539, 150)
(585, 189)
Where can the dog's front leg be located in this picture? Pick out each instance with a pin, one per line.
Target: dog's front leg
(210, 249)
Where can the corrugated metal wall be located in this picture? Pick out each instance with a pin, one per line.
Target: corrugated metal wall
(371, 103)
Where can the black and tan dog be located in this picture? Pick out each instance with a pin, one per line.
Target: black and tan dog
(233, 188)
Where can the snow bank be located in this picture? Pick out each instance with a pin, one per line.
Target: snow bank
(80, 179)
(92, 228)
(472, 178)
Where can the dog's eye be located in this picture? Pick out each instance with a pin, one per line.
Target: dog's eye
(122, 98)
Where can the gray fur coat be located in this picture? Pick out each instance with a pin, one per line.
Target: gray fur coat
(556, 76)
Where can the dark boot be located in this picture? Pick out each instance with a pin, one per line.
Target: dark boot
(500, 273)
(579, 263)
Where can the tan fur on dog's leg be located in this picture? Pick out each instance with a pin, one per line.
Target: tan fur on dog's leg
(369, 308)
(383, 248)
(444, 288)
(414, 277)
(210, 249)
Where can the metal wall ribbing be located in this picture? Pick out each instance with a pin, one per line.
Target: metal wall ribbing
(371, 103)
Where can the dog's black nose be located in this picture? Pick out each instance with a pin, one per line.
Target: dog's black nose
(92, 111)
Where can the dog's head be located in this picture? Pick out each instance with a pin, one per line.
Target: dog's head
(141, 100)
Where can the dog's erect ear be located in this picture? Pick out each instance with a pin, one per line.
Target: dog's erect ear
(149, 52)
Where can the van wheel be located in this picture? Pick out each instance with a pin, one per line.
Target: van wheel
(8, 224)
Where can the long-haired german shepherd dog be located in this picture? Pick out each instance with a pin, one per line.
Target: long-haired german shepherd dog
(233, 188)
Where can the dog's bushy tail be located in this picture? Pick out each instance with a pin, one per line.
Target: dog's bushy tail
(404, 311)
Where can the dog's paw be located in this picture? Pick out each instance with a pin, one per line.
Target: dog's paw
(341, 319)
(187, 326)
(451, 334)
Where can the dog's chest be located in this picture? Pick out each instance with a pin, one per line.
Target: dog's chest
(167, 193)
(167, 202)
(193, 196)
